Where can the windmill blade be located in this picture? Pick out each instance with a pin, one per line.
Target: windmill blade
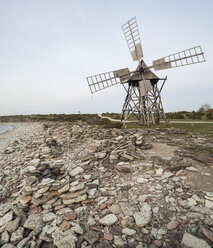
(105, 80)
(131, 33)
(187, 57)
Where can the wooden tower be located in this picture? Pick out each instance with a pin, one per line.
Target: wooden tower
(143, 99)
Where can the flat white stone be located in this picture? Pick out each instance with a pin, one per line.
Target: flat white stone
(78, 170)
(143, 217)
(159, 172)
(190, 241)
(209, 204)
(192, 168)
(108, 220)
(6, 218)
(128, 231)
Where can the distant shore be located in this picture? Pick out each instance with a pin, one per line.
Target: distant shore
(18, 131)
(4, 128)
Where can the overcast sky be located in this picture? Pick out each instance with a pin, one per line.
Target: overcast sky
(49, 47)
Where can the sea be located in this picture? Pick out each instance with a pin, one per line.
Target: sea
(4, 128)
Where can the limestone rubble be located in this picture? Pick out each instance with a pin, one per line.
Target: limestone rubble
(75, 185)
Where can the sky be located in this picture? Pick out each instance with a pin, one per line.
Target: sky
(49, 47)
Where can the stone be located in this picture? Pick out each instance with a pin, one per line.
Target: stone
(191, 202)
(118, 241)
(142, 180)
(45, 182)
(23, 242)
(192, 168)
(4, 237)
(115, 209)
(143, 217)
(193, 215)
(66, 242)
(49, 217)
(104, 244)
(100, 155)
(74, 200)
(13, 225)
(35, 162)
(52, 193)
(142, 198)
(8, 246)
(123, 167)
(91, 236)
(77, 229)
(30, 169)
(190, 241)
(4, 208)
(172, 225)
(155, 210)
(159, 172)
(109, 236)
(25, 199)
(71, 215)
(91, 221)
(70, 195)
(202, 210)
(65, 225)
(79, 186)
(158, 187)
(92, 192)
(162, 231)
(208, 204)
(78, 170)
(6, 218)
(102, 206)
(64, 189)
(127, 156)
(108, 220)
(145, 231)
(128, 231)
(33, 221)
(154, 232)
(128, 210)
(112, 157)
(207, 233)
(17, 235)
(157, 243)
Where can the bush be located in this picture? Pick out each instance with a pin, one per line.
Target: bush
(209, 115)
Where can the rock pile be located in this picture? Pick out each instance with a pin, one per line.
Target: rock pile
(79, 186)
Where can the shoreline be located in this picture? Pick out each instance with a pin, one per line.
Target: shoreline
(8, 124)
(20, 130)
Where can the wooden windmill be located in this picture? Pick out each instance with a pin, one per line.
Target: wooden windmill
(143, 97)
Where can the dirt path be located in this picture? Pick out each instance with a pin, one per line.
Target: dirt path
(199, 122)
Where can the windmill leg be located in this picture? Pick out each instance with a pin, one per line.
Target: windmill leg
(150, 106)
(125, 106)
(162, 114)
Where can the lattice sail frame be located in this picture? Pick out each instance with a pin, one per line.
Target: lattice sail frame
(105, 80)
(132, 36)
(187, 57)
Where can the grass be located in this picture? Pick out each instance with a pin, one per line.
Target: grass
(197, 128)
(199, 149)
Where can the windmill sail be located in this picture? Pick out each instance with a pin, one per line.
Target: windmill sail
(105, 80)
(131, 33)
(187, 57)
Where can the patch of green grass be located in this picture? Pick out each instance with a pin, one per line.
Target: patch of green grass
(199, 128)
(198, 149)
